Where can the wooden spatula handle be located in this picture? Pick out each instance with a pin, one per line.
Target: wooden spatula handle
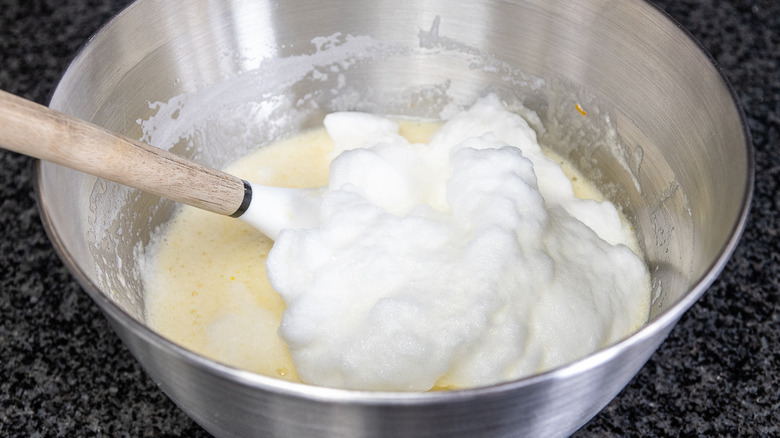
(35, 130)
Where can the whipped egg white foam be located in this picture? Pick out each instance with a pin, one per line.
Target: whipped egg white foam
(459, 263)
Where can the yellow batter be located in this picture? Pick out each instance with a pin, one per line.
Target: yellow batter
(208, 289)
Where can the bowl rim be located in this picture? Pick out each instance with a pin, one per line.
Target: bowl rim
(663, 321)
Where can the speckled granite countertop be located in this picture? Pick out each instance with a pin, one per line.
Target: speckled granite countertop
(65, 373)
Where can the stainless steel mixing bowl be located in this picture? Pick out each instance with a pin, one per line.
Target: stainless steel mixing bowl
(663, 137)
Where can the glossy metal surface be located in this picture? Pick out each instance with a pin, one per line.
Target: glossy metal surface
(683, 174)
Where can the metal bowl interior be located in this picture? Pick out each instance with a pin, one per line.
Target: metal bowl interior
(664, 138)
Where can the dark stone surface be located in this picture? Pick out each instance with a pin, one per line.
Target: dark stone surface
(65, 373)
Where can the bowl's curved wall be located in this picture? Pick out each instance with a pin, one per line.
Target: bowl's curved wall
(683, 172)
